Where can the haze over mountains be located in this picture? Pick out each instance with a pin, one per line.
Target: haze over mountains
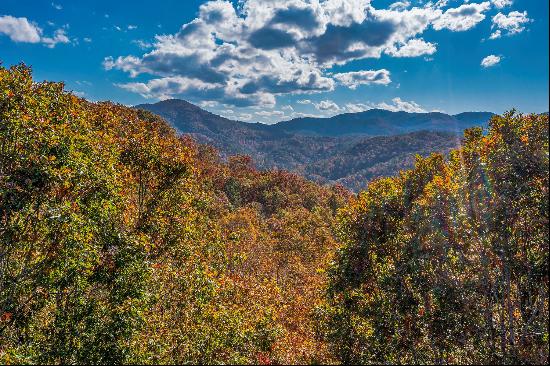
(350, 148)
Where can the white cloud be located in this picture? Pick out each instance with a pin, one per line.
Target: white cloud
(302, 115)
(19, 29)
(163, 88)
(499, 4)
(144, 45)
(304, 101)
(327, 105)
(270, 114)
(59, 36)
(366, 77)
(401, 105)
(24, 31)
(463, 18)
(496, 34)
(208, 104)
(132, 27)
(396, 105)
(357, 107)
(250, 53)
(438, 4)
(400, 5)
(57, 6)
(490, 61)
(413, 48)
(513, 23)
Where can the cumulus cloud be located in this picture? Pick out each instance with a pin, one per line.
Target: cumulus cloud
(463, 18)
(397, 105)
(355, 78)
(490, 61)
(163, 88)
(357, 107)
(499, 4)
(496, 34)
(400, 5)
(59, 36)
(167, 87)
(24, 31)
(413, 48)
(511, 24)
(438, 4)
(327, 105)
(259, 49)
(208, 104)
(270, 114)
(19, 29)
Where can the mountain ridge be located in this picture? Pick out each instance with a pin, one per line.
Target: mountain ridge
(376, 122)
(356, 123)
(350, 148)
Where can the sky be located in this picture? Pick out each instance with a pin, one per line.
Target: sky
(271, 60)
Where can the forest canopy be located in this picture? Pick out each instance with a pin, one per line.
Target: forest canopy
(123, 242)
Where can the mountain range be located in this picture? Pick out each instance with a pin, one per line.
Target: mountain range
(350, 149)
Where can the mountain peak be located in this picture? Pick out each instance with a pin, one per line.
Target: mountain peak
(171, 104)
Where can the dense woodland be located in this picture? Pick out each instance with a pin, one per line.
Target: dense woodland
(124, 242)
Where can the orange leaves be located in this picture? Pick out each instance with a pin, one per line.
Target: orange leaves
(263, 359)
(457, 246)
(223, 263)
(524, 139)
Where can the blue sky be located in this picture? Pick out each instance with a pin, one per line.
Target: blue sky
(268, 60)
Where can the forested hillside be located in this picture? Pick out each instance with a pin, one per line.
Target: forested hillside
(448, 262)
(350, 149)
(382, 156)
(124, 242)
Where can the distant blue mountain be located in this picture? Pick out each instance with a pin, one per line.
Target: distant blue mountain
(189, 118)
(350, 148)
(380, 122)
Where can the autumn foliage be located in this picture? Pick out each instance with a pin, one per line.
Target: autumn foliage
(448, 262)
(122, 242)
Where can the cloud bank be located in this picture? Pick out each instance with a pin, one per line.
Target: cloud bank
(248, 54)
